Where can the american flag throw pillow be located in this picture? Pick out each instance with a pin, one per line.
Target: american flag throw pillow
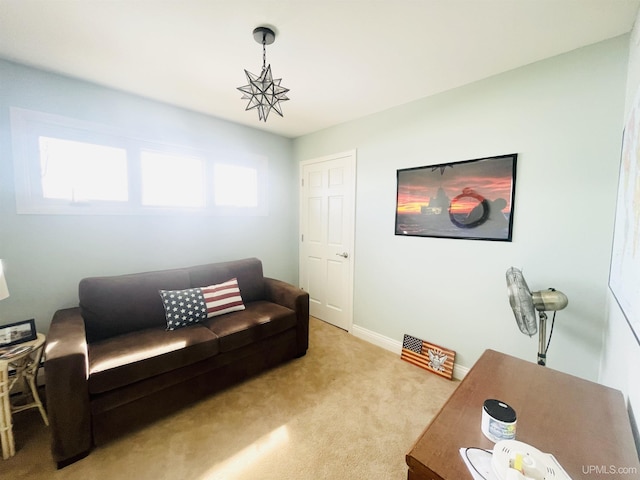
(222, 298)
(187, 307)
(183, 307)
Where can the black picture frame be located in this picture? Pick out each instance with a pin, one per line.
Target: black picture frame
(18, 332)
(470, 199)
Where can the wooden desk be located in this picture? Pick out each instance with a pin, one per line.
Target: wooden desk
(583, 424)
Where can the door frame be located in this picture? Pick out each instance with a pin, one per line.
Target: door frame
(352, 155)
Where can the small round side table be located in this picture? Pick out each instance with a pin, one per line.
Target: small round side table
(26, 366)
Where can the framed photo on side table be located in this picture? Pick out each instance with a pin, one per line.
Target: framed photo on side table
(18, 332)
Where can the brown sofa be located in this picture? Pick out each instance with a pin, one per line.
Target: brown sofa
(112, 365)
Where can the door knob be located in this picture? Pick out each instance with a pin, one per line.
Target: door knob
(343, 255)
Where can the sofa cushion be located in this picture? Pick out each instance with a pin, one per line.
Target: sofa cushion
(120, 304)
(257, 321)
(129, 358)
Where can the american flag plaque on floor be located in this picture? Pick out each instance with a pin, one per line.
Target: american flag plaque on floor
(426, 355)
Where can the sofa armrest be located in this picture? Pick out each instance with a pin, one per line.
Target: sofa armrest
(66, 371)
(297, 300)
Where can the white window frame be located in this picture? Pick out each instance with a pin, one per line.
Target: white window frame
(28, 125)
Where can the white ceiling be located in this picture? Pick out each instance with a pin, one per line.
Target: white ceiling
(342, 59)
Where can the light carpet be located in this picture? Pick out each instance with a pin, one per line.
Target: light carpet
(346, 410)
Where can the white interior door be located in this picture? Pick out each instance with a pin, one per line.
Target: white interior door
(327, 224)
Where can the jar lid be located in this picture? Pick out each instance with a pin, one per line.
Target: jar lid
(499, 410)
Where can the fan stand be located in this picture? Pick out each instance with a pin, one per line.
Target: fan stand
(542, 338)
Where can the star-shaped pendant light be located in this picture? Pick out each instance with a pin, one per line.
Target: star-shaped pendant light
(263, 92)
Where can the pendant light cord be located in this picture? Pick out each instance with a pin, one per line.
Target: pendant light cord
(264, 52)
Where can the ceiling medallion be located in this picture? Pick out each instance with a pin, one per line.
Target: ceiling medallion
(263, 92)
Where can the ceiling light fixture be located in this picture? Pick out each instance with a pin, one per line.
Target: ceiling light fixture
(263, 92)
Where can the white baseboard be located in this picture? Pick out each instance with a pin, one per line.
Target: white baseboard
(460, 371)
(394, 346)
(377, 339)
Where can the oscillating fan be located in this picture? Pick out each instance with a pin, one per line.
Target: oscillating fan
(524, 304)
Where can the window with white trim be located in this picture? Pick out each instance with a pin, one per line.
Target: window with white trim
(172, 180)
(68, 166)
(235, 186)
(79, 171)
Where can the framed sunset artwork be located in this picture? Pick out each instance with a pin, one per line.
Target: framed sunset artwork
(471, 199)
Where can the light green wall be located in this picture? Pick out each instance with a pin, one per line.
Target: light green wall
(45, 256)
(621, 353)
(563, 118)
